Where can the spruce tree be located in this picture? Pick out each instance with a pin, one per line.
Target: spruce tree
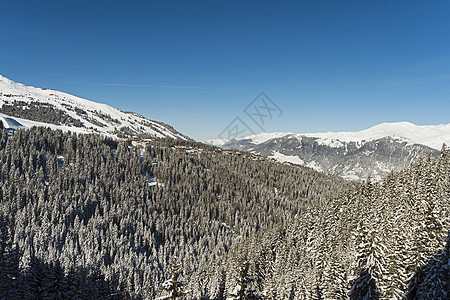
(173, 286)
(243, 280)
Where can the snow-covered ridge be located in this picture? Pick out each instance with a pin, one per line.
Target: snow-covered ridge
(432, 136)
(85, 116)
(254, 139)
(263, 137)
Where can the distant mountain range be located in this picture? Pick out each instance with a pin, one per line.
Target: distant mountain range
(27, 106)
(353, 155)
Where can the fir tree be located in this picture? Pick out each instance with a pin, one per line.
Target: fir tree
(173, 286)
(243, 280)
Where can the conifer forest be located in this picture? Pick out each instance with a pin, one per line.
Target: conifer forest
(83, 216)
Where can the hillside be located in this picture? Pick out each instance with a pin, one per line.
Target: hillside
(372, 152)
(387, 240)
(27, 106)
(103, 216)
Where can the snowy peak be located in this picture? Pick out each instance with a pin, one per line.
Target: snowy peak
(4, 80)
(354, 155)
(28, 106)
(432, 136)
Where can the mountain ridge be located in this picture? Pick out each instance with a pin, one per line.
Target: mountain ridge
(27, 106)
(427, 135)
(374, 152)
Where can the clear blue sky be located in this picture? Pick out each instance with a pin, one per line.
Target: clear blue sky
(329, 65)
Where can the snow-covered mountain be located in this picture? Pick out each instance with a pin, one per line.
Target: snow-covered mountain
(27, 106)
(354, 155)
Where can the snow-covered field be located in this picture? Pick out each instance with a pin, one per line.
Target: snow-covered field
(287, 158)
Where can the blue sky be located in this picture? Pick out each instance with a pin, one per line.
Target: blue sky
(328, 65)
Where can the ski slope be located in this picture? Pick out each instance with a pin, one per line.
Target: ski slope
(95, 117)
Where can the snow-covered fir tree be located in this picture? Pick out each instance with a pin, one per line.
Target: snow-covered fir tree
(173, 286)
(242, 290)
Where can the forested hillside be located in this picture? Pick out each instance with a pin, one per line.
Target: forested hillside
(26, 106)
(375, 241)
(83, 216)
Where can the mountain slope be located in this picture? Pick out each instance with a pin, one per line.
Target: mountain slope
(27, 106)
(388, 239)
(85, 202)
(354, 155)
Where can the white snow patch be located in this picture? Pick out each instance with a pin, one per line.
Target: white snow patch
(217, 143)
(255, 139)
(264, 137)
(351, 177)
(314, 165)
(152, 181)
(287, 158)
(9, 122)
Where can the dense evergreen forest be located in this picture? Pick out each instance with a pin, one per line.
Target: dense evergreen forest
(40, 112)
(386, 240)
(83, 216)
